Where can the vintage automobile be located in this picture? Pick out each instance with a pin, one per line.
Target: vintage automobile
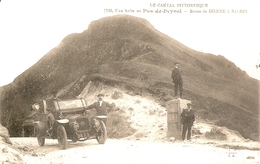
(67, 120)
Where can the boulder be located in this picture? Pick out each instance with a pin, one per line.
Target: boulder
(4, 135)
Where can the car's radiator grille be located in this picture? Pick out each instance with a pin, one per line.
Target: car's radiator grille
(83, 123)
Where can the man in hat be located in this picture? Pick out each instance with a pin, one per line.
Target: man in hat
(187, 120)
(101, 107)
(177, 80)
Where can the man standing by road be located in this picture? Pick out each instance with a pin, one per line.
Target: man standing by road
(177, 80)
(101, 107)
(187, 119)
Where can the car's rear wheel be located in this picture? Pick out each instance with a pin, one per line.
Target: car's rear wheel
(40, 139)
(62, 136)
(101, 135)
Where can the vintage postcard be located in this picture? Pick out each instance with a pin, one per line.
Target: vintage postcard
(129, 81)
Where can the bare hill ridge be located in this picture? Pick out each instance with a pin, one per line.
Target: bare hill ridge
(128, 52)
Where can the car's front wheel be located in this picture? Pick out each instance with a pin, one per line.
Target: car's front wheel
(101, 135)
(62, 136)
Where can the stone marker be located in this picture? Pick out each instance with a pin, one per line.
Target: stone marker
(174, 108)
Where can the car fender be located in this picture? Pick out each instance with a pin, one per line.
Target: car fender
(63, 121)
(101, 116)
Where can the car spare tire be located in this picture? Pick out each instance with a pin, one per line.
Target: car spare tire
(40, 139)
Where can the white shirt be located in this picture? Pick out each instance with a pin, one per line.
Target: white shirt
(100, 103)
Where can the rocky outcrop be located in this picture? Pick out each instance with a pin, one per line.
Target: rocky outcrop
(4, 135)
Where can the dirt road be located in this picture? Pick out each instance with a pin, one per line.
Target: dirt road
(129, 152)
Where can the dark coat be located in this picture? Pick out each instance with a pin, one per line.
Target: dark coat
(176, 76)
(187, 117)
(101, 110)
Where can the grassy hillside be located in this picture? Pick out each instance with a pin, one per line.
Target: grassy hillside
(128, 52)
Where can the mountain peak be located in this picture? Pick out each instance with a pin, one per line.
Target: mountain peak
(120, 21)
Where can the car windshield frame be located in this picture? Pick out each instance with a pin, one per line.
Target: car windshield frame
(71, 105)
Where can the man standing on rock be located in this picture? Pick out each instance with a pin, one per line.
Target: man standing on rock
(187, 119)
(177, 80)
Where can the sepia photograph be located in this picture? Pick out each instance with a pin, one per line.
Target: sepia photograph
(129, 81)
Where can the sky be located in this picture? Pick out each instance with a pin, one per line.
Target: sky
(31, 28)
